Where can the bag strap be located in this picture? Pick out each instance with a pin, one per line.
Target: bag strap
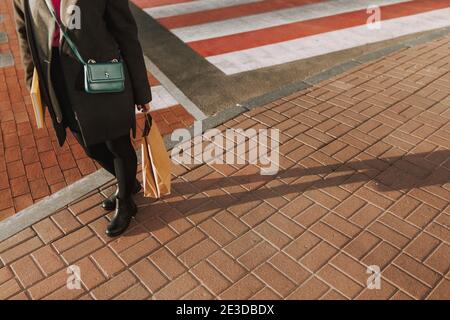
(65, 35)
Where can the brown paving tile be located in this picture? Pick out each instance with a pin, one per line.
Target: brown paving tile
(441, 292)
(340, 281)
(422, 216)
(258, 214)
(349, 206)
(20, 296)
(422, 246)
(216, 232)
(5, 274)
(329, 234)
(139, 250)
(272, 235)
(177, 288)
(81, 250)
(48, 260)
(90, 275)
(20, 250)
(303, 244)
(265, 294)
(149, 275)
(366, 215)
(48, 285)
(26, 271)
(362, 244)
(231, 223)
(210, 277)
(332, 295)
(382, 255)
(406, 282)
(275, 279)
(229, 267)
(439, 231)
(9, 289)
(318, 256)
(199, 293)
(198, 252)
(167, 263)
(351, 267)
(107, 261)
(17, 239)
(313, 288)
(185, 241)
(418, 270)
(66, 221)
(386, 292)
(47, 230)
(159, 230)
(98, 227)
(137, 292)
(87, 203)
(391, 235)
(257, 255)
(65, 293)
(114, 286)
(438, 260)
(243, 289)
(72, 239)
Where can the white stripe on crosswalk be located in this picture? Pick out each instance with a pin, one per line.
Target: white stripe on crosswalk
(192, 6)
(274, 18)
(283, 52)
(161, 98)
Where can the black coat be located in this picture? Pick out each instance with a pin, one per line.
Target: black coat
(107, 31)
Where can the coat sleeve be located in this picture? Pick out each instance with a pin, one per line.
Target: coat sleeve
(23, 41)
(123, 27)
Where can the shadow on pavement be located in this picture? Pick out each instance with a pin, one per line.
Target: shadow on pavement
(401, 173)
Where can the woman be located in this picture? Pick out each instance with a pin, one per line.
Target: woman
(102, 30)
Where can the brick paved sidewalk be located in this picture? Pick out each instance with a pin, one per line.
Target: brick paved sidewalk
(365, 180)
(32, 165)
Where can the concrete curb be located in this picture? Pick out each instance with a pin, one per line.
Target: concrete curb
(174, 91)
(52, 203)
(59, 200)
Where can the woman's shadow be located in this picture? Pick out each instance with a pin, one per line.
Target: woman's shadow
(401, 173)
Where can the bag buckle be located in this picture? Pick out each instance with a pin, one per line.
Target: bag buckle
(92, 61)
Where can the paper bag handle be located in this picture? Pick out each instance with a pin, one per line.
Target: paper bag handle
(148, 125)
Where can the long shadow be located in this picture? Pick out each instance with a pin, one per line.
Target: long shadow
(401, 173)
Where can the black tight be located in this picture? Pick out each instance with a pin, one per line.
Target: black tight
(118, 158)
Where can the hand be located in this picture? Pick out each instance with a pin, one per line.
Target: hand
(144, 108)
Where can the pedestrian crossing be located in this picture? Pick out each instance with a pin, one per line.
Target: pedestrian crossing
(243, 35)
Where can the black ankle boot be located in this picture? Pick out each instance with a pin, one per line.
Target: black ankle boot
(125, 210)
(109, 204)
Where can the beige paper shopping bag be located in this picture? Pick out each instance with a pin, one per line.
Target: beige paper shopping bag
(37, 101)
(156, 167)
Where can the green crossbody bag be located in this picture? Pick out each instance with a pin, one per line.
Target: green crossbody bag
(99, 77)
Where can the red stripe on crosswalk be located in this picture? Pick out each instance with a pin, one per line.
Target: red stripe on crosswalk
(143, 4)
(236, 11)
(291, 31)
